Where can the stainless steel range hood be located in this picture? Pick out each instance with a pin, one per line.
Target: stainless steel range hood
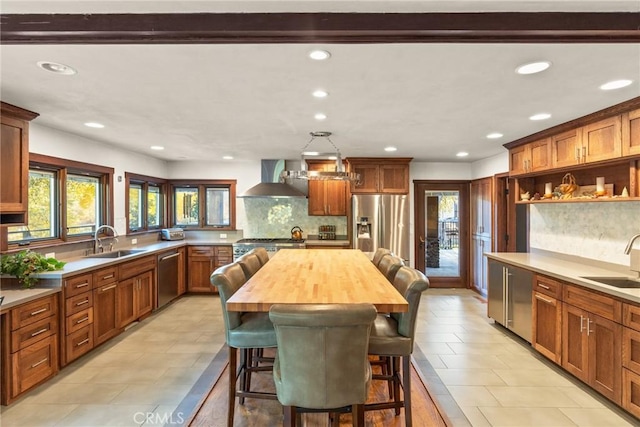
(270, 186)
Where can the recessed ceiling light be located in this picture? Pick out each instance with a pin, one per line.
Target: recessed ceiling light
(311, 153)
(616, 84)
(495, 135)
(227, 157)
(533, 67)
(94, 125)
(390, 149)
(157, 147)
(320, 116)
(55, 67)
(333, 158)
(462, 154)
(319, 55)
(320, 93)
(540, 116)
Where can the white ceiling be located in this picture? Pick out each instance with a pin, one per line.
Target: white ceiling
(254, 101)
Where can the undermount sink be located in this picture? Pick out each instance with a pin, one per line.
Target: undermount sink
(618, 282)
(117, 254)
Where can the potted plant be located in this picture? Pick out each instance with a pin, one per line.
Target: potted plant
(24, 264)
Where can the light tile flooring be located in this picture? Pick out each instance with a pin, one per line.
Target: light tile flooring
(479, 373)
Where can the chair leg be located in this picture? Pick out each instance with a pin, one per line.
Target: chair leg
(406, 385)
(357, 415)
(243, 372)
(247, 372)
(388, 370)
(289, 416)
(396, 384)
(233, 361)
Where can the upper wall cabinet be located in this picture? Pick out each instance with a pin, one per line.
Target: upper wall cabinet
(532, 157)
(380, 175)
(594, 142)
(631, 133)
(14, 163)
(326, 197)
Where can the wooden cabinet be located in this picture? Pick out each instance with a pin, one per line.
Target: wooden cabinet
(77, 327)
(14, 163)
(592, 339)
(566, 149)
(182, 270)
(136, 290)
(480, 268)
(547, 318)
(380, 175)
(531, 157)
(326, 197)
(481, 223)
(105, 308)
(29, 346)
(203, 260)
(631, 133)
(631, 358)
(591, 143)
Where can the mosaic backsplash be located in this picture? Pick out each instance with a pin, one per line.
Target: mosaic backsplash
(597, 231)
(275, 217)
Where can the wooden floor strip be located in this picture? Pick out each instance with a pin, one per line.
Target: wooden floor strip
(260, 412)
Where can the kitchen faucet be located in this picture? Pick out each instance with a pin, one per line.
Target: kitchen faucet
(98, 243)
(635, 255)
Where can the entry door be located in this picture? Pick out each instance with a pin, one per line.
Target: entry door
(442, 236)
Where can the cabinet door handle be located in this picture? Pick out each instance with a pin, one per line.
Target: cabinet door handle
(40, 362)
(548, 301)
(42, 310)
(84, 319)
(78, 304)
(578, 154)
(543, 286)
(589, 322)
(82, 285)
(581, 323)
(108, 287)
(584, 154)
(110, 276)
(83, 342)
(41, 331)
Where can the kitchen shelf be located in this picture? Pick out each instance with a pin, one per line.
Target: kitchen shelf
(586, 200)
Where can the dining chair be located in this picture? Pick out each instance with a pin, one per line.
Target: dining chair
(321, 361)
(261, 253)
(245, 331)
(392, 335)
(250, 264)
(389, 266)
(379, 253)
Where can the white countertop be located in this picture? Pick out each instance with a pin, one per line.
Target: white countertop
(571, 271)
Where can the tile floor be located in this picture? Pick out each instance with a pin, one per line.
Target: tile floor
(479, 373)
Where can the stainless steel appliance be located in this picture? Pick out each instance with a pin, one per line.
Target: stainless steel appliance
(243, 246)
(509, 297)
(167, 276)
(381, 221)
(172, 234)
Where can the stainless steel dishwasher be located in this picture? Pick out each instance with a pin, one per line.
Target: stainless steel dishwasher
(167, 276)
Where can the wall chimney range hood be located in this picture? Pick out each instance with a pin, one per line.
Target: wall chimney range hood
(271, 185)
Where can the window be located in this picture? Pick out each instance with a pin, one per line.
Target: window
(204, 204)
(145, 204)
(67, 201)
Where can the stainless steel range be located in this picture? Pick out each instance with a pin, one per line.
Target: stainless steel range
(243, 246)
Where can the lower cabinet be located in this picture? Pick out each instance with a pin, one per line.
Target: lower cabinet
(134, 298)
(203, 260)
(105, 323)
(29, 346)
(547, 318)
(631, 359)
(77, 330)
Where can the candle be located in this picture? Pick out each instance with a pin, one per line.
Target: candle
(547, 188)
(600, 185)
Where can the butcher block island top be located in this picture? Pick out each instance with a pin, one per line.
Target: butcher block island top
(317, 276)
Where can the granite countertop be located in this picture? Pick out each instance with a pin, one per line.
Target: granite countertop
(15, 295)
(572, 270)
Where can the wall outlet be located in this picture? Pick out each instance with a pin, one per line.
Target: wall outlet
(223, 235)
(134, 241)
(50, 255)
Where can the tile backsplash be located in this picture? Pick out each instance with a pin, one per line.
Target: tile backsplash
(598, 231)
(268, 217)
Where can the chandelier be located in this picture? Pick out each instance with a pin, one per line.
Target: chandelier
(339, 174)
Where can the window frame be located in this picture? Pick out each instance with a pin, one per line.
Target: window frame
(202, 186)
(146, 182)
(62, 168)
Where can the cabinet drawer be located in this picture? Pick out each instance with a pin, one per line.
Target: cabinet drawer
(78, 303)
(631, 316)
(547, 286)
(593, 302)
(34, 364)
(33, 333)
(79, 320)
(224, 251)
(133, 268)
(78, 284)
(105, 276)
(631, 392)
(79, 342)
(207, 251)
(33, 311)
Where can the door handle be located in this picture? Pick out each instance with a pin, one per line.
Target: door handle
(169, 256)
(421, 239)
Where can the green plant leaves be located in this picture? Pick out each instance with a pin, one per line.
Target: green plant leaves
(24, 264)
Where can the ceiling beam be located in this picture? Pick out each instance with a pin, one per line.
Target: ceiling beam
(230, 28)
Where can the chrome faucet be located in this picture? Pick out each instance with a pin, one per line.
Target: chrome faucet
(627, 250)
(634, 264)
(98, 244)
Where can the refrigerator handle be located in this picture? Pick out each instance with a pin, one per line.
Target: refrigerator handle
(504, 295)
(506, 300)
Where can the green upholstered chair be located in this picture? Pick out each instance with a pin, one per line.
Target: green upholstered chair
(321, 361)
(262, 254)
(245, 331)
(392, 336)
(379, 253)
(250, 264)
(389, 266)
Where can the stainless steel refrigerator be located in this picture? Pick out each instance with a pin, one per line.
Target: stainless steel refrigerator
(381, 221)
